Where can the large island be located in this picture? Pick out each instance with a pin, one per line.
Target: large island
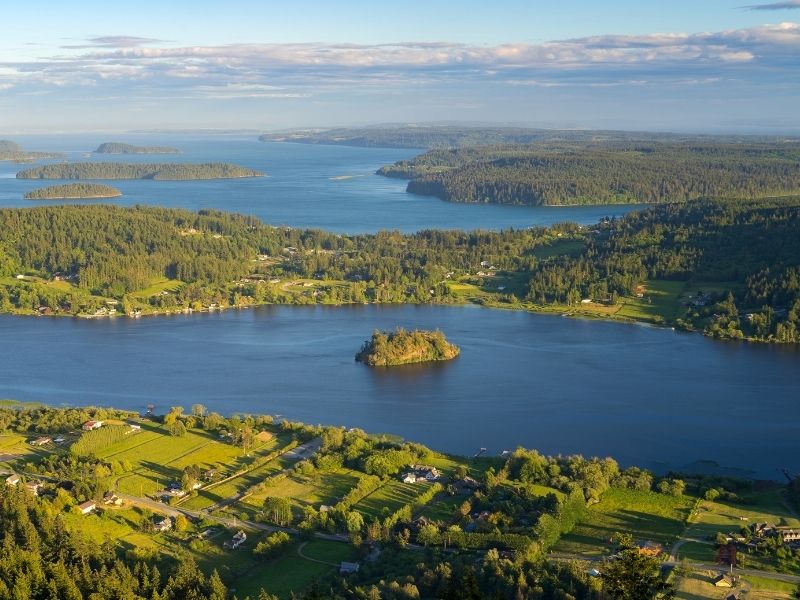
(120, 148)
(159, 171)
(12, 151)
(73, 191)
(402, 347)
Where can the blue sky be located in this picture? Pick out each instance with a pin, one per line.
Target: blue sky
(709, 65)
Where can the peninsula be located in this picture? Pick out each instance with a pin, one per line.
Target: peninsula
(157, 171)
(73, 191)
(279, 509)
(120, 148)
(402, 347)
(613, 171)
(12, 151)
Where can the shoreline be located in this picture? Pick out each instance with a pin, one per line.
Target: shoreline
(532, 309)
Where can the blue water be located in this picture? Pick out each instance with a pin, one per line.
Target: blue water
(652, 397)
(301, 190)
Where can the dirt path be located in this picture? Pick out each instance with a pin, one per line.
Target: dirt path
(301, 555)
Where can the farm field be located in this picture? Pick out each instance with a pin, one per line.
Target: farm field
(389, 498)
(644, 515)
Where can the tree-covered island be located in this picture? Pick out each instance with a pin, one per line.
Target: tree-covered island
(120, 148)
(73, 191)
(603, 172)
(402, 347)
(157, 171)
(12, 151)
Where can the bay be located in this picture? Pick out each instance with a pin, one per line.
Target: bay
(647, 396)
(327, 187)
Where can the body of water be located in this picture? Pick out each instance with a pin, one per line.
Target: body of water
(327, 187)
(646, 396)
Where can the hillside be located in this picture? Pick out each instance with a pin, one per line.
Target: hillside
(73, 191)
(156, 171)
(12, 151)
(402, 347)
(120, 148)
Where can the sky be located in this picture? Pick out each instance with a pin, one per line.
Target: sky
(677, 65)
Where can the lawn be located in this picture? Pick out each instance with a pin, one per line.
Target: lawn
(389, 498)
(720, 516)
(699, 586)
(442, 508)
(661, 300)
(158, 458)
(315, 490)
(644, 515)
(289, 572)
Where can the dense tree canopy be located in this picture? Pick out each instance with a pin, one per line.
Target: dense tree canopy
(111, 170)
(603, 173)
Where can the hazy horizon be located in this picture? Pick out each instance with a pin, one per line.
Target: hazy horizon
(717, 67)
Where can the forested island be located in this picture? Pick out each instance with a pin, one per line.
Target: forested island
(176, 504)
(607, 172)
(429, 136)
(73, 191)
(156, 171)
(120, 148)
(402, 347)
(12, 151)
(726, 268)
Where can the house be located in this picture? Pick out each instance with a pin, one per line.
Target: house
(60, 439)
(13, 479)
(87, 507)
(788, 535)
(134, 427)
(236, 541)
(112, 498)
(210, 474)
(325, 508)
(420, 474)
(586, 301)
(649, 548)
(90, 425)
(724, 580)
(33, 487)
(466, 486)
(409, 478)
(346, 568)
(164, 524)
(41, 441)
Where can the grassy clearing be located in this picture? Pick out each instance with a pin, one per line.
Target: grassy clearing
(442, 508)
(765, 505)
(289, 572)
(661, 301)
(389, 498)
(14, 443)
(644, 515)
(156, 287)
(156, 458)
(315, 490)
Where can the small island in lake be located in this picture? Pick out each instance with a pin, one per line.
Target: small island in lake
(73, 191)
(403, 347)
(120, 148)
(159, 171)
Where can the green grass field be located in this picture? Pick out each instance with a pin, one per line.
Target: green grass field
(389, 498)
(321, 488)
(644, 515)
(291, 573)
(158, 458)
(661, 300)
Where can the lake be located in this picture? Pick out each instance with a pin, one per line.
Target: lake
(646, 396)
(327, 187)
